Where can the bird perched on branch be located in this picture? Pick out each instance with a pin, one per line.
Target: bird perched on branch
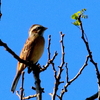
(32, 50)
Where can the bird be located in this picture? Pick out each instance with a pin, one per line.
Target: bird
(32, 50)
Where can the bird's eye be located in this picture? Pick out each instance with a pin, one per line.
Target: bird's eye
(36, 29)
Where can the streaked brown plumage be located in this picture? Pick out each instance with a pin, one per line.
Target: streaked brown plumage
(31, 51)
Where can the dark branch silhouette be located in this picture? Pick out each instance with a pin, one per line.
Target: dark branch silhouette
(90, 53)
(92, 97)
(14, 54)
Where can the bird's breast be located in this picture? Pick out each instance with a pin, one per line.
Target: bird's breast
(37, 49)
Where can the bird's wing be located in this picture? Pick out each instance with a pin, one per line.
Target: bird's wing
(26, 51)
(32, 50)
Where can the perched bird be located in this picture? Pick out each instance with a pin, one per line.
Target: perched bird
(32, 50)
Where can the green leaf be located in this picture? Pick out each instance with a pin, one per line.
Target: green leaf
(79, 12)
(75, 16)
(77, 23)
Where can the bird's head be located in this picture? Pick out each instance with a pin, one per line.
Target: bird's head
(37, 29)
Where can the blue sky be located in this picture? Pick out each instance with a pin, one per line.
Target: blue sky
(17, 18)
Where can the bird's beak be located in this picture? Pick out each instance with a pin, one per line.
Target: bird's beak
(45, 28)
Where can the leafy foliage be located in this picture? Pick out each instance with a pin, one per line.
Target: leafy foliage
(76, 16)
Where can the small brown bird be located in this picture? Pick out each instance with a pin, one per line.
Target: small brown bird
(32, 50)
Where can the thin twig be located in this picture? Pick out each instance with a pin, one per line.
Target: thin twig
(49, 43)
(30, 96)
(67, 74)
(22, 86)
(58, 76)
(72, 80)
(80, 71)
(27, 97)
(90, 53)
(17, 93)
(62, 47)
(49, 62)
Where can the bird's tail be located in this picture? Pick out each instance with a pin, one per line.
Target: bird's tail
(15, 82)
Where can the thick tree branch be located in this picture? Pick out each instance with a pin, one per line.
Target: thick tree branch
(36, 74)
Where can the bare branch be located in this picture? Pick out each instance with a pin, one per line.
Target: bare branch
(30, 96)
(50, 60)
(49, 43)
(55, 72)
(62, 47)
(72, 80)
(67, 75)
(36, 74)
(92, 97)
(14, 54)
(22, 87)
(27, 97)
(58, 76)
(89, 52)
(80, 71)
(17, 93)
